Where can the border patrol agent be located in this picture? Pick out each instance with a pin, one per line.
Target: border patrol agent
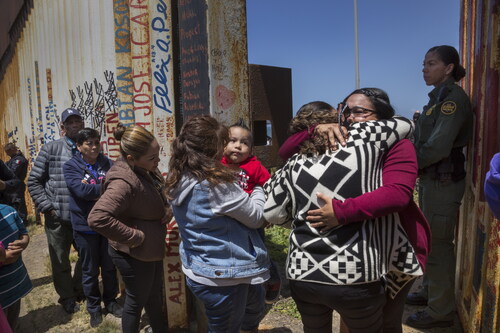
(443, 129)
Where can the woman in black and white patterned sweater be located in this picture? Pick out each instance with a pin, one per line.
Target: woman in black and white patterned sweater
(345, 265)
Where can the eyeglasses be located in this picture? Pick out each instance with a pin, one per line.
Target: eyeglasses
(356, 111)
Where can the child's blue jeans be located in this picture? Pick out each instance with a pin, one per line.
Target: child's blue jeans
(226, 308)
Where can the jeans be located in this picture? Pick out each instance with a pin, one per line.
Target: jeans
(143, 289)
(60, 238)
(359, 305)
(226, 308)
(93, 251)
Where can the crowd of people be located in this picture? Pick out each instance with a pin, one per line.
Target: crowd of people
(358, 240)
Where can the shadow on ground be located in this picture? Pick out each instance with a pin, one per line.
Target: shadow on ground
(41, 281)
(276, 330)
(43, 319)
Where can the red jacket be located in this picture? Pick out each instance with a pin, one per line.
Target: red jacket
(252, 173)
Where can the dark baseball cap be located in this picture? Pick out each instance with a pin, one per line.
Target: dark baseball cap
(69, 112)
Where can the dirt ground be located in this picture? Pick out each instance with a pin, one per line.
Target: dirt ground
(40, 311)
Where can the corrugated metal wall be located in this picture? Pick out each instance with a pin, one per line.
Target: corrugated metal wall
(478, 245)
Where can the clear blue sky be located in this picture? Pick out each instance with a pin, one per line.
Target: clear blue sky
(316, 40)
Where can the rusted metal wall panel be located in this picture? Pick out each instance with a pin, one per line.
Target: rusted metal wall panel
(141, 62)
(163, 102)
(271, 100)
(478, 245)
(228, 69)
(193, 56)
(213, 59)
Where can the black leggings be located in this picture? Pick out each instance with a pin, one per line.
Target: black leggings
(360, 305)
(143, 287)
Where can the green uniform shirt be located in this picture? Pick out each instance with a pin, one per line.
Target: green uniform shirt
(445, 123)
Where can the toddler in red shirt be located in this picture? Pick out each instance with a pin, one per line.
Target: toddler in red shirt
(238, 156)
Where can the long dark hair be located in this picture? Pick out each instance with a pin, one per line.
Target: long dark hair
(449, 55)
(197, 151)
(379, 99)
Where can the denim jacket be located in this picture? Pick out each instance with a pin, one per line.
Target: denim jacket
(219, 229)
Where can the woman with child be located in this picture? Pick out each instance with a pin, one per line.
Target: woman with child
(250, 173)
(223, 255)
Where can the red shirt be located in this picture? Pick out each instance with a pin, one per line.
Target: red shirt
(252, 173)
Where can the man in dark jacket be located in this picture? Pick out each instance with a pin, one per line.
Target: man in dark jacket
(19, 165)
(9, 183)
(50, 194)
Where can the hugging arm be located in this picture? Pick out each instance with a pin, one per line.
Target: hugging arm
(399, 175)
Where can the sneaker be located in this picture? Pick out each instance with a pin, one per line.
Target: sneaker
(415, 299)
(422, 319)
(273, 292)
(71, 306)
(95, 318)
(115, 309)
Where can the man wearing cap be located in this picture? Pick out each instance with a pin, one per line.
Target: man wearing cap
(49, 191)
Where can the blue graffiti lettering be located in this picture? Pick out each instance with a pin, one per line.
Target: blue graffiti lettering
(126, 114)
(158, 24)
(160, 97)
(161, 92)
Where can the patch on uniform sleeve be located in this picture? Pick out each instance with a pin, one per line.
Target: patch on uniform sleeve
(448, 108)
(429, 112)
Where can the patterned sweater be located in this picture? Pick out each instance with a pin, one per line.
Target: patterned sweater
(359, 252)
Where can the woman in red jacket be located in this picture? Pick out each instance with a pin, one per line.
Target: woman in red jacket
(399, 174)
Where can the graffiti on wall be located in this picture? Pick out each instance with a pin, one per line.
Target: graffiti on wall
(162, 78)
(94, 100)
(32, 141)
(161, 56)
(141, 66)
(39, 103)
(98, 104)
(193, 41)
(51, 118)
(124, 67)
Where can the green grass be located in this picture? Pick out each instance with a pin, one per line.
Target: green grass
(286, 306)
(277, 246)
(277, 243)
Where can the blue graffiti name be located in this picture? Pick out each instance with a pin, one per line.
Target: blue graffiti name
(161, 94)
